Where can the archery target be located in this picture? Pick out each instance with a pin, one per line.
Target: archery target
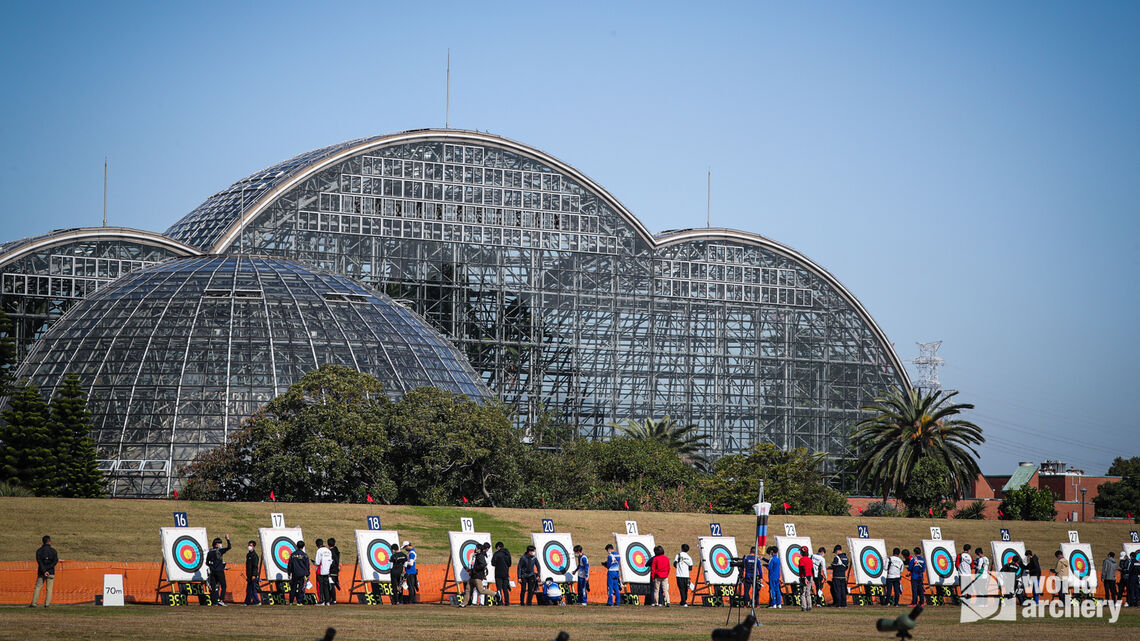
(789, 547)
(374, 553)
(1081, 568)
(1004, 551)
(940, 567)
(716, 559)
(463, 548)
(555, 555)
(276, 546)
(868, 559)
(184, 551)
(636, 553)
(1131, 549)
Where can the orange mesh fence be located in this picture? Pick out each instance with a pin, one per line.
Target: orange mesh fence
(80, 581)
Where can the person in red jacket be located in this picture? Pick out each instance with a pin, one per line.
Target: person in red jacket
(659, 572)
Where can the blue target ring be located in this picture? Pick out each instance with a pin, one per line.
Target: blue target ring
(1135, 556)
(720, 559)
(187, 554)
(467, 550)
(280, 551)
(380, 556)
(942, 562)
(637, 558)
(556, 558)
(871, 562)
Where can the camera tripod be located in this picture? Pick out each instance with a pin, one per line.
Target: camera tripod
(732, 602)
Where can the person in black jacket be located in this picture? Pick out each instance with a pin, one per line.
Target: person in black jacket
(46, 559)
(298, 574)
(398, 559)
(217, 566)
(1033, 575)
(476, 575)
(527, 573)
(252, 575)
(334, 571)
(839, 566)
(501, 561)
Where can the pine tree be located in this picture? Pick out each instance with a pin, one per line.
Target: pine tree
(78, 475)
(26, 458)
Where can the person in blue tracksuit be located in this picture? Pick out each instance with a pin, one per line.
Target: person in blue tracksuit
(751, 567)
(774, 567)
(613, 576)
(583, 574)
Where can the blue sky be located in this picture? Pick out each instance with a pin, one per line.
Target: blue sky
(969, 170)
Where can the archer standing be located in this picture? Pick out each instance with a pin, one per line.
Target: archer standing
(893, 591)
(806, 569)
(398, 559)
(751, 567)
(501, 561)
(46, 560)
(477, 574)
(252, 574)
(659, 572)
(298, 574)
(775, 577)
(583, 574)
(684, 564)
(334, 570)
(839, 565)
(323, 560)
(527, 572)
(1033, 570)
(411, 573)
(613, 576)
(217, 566)
(917, 567)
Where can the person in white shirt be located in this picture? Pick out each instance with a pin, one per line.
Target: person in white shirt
(982, 572)
(684, 564)
(323, 560)
(819, 571)
(894, 579)
(965, 569)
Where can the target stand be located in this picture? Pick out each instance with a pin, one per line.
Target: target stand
(450, 584)
(368, 592)
(176, 593)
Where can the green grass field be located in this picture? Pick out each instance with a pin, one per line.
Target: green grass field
(127, 530)
(441, 623)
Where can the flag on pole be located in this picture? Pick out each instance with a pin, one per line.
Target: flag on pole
(1000, 513)
(465, 500)
(175, 493)
(369, 498)
(762, 510)
(544, 501)
(271, 496)
(931, 511)
(626, 503)
(860, 510)
(786, 508)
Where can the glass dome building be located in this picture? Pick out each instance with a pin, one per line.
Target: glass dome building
(177, 354)
(561, 298)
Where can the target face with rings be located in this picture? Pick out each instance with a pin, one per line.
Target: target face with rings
(187, 554)
(1080, 564)
(637, 559)
(792, 557)
(556, 557)
(467, 550)
(871, 562)
(380, 556)
(942, 562)
(280, 551)
(720, 558)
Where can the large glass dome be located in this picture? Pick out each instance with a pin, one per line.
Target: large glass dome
(177, 354)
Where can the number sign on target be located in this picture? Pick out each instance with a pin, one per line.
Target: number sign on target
(555, 555)
(184, 553)
(716, 559)
(277, 544)
(635, 552)
(940, 566)
(374, 553)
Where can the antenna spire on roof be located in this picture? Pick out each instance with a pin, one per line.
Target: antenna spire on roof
(447, 103)
(104, 191)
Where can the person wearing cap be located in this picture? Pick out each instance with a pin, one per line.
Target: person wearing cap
(501, 561)
(398, 559)
(323, 561)
(411, 573)
(217, 566)
(252, 574)
(476, 575)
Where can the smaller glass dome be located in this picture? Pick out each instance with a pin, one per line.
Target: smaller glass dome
(177, 354)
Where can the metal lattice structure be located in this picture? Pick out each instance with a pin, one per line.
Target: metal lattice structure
(176, 355)
(561, 298)
(928, 363)
(42, 277)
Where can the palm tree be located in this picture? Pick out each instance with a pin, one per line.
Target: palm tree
(681, 439)
(912, 424)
